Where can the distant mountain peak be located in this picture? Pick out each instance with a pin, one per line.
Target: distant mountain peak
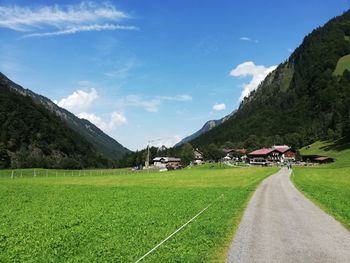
(209, 125)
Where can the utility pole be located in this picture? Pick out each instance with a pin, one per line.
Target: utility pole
(148, 150)
(147, 157)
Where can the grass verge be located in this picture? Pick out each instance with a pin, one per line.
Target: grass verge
(328, 186)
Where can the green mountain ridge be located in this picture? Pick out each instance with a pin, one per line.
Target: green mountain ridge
(300, 102)
(104, 144)
(32, 136)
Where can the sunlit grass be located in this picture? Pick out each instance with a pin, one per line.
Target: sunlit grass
(120, 215)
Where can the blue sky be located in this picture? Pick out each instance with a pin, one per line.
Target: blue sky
(145, 70)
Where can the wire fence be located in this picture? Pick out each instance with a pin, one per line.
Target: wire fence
(27, 173)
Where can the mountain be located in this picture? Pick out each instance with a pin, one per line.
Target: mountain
(307, 98)
(104, 145)
(32, 136)
(206, 127)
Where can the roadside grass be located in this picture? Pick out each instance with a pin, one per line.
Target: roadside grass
(119, 217)
(328, 186)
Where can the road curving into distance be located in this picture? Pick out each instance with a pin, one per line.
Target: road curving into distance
(281, 225)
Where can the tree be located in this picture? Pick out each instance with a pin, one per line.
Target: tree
(214, 152)
(4, 157)
(228, 145)
(252, 142)
(187, 154)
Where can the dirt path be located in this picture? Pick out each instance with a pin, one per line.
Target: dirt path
(281, 225)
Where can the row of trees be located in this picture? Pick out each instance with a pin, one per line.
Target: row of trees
(185, 152)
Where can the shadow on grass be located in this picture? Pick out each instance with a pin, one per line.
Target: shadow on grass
(339, 145)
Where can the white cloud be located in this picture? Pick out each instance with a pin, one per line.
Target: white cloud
(79, 101)
(248, 39)
(290, 50)
(62, 19)
(256, 72)
(219, 106)
(116, 119)
(150, 105)
(245, 39)
(76, 29)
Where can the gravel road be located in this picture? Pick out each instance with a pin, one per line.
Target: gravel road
(281, 225)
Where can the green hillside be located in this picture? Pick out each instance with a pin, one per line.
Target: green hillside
(302, 101)
(339, 150)
(32, 136)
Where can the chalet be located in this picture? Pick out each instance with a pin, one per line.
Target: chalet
(198, 157)
(164, 162)
(264, 156)
(288, 154)
(324, 159)
(314, 158)
(234, 154)
(273, 154)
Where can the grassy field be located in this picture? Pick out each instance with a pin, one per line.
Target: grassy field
(328, 185)
(119, 217)
(342, 65)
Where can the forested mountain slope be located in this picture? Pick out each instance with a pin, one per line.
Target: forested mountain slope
(104, 144)
(32, 136)
(302, 101)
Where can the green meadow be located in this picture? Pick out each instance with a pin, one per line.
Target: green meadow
(342, 65)
(119, 215)
(328, 186)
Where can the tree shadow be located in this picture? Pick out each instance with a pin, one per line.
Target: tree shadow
(339, 145)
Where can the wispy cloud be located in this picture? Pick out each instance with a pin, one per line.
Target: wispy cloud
(248, 39)
(256, 72)
(122, 70)
(151, 104)
(77, 29)
(176, 98)
(62, 19)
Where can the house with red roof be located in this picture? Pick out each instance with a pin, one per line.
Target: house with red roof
(272, 155)
(288, 154)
